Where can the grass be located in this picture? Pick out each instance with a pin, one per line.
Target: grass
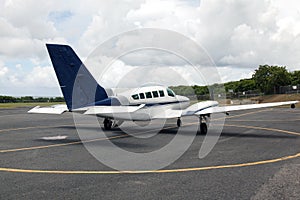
(278, 98)
(265, 99)
(17, 105)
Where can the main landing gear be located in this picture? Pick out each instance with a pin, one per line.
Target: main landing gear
(203, 124)
(179, 122)
(107, 123)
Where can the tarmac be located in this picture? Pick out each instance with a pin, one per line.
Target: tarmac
(256, 157)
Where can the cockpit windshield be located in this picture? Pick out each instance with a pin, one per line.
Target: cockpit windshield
(170, 92)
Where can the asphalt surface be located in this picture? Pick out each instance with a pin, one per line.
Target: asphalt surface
(256, 157)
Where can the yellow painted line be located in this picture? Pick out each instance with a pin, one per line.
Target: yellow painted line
(16, 170)
(98, 139)
(264, 128)
(151, 171)
(249, 113)
(59, 145)
(79, 142)
(62, 125)
(244, 114)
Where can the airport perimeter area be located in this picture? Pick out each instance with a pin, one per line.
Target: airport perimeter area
(256, 157)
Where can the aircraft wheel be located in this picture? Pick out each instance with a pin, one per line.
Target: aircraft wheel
(179, 122)
(203, 128)
(107, 124)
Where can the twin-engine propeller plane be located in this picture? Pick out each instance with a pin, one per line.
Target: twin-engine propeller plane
(83, 94)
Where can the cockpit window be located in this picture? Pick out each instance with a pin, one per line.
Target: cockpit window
(142, 96)
(135, 96)
(155, 94)
(170, 92)
(148, 95)
(161, 93)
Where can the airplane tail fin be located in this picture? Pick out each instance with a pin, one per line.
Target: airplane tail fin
(77, 84)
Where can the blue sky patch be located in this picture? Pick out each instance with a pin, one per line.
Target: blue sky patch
(59, 16)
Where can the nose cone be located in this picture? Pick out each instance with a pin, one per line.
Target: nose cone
(184, 102)
(182, 98)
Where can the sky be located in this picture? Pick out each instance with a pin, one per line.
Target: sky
(238, 35)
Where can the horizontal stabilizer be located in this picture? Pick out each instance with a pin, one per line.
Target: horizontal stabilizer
(56, 109)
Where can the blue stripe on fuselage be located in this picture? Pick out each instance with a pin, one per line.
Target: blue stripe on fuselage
(115, 102)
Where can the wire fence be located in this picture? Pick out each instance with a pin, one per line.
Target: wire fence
(290, 89)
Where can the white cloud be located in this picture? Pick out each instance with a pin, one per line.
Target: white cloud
(238, 35)
(3, 70)
(17, 82)
(175, 15)
(43, 77)
(229, 73)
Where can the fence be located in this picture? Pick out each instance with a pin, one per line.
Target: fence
(290, 89)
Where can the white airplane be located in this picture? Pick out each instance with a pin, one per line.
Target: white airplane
(83, 94)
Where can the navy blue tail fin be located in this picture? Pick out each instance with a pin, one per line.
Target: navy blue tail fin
(77, 84)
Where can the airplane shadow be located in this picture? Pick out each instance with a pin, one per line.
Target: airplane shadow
(173, 131)
(255, 135)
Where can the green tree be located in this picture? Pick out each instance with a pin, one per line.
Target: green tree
(7, 99)
(200, 90)
(295, 76)
(27, 99)
(268, 79)
(246, 85)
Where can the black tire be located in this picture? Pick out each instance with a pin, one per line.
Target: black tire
(179, 122)
(203, 128)
(107, 124)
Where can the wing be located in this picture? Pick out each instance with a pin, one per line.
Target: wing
(107, 110)
(168, 114)
(222, 109)
(56, 109)
(210, 108)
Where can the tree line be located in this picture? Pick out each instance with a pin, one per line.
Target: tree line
(266, 79)
(26, 99)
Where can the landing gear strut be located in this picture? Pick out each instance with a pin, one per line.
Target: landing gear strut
(203, 128)
(107, 123)
(203, 124)
(179, 122)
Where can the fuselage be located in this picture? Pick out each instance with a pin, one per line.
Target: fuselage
(155, 102)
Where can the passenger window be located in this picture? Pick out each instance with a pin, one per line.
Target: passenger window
(170, 92)
(142, 96)
(148, 95)
(155, 94)
(161, 93)
(135, 97)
